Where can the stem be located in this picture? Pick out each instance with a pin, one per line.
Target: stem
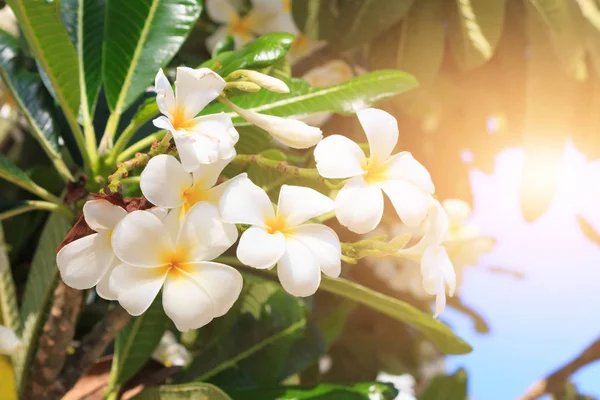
(90, 141)
(130, 180)
(139, 146)
(124, 139)
(80, 140)
(37, 205)
(281, 166)
(109, 132)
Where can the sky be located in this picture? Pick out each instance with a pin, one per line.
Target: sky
(540, 322)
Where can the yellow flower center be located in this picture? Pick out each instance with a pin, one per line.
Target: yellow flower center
(194, 195)
(287, 6)
(175, 263)
(278, 224)
(241, 26)
(375, 171)
(299, 44)
(178, 119)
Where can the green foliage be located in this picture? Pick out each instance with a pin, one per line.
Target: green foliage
(257, 54)
(84, 21)
(189, 391)
(142, 36)
(345, 98)
(451, 387)
(9, 310)
(12, 173)
(360, 21)
(135, 344)
(38, 291)
(325, 391)
(42, 25)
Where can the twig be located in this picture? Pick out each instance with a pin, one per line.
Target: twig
(92, 347)
(555, 382)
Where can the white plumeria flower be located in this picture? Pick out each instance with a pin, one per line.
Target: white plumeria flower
(291, 132)
(259, 20)
(359, 205)
(166, 183)
(87, 262)
(170, 352)
(9, 342)
(301, 251)
(199, 140)
(437, 270)
(155, 254)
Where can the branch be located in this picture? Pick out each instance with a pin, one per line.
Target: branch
(92, 347)
(555, 382)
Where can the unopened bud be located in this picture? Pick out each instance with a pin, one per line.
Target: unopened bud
(265, 81)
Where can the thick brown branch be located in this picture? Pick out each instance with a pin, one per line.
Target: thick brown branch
(555, 382)
(92, 347)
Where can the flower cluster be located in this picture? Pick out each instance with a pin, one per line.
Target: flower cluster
(174, 244)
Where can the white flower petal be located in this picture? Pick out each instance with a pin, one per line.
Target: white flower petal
(381, 129)
(298, 270)
(219, 128)
(403, 166)
(103, 288)
(187, 303)
(203, 233)
(458, 210)
(159, 212)
(410, 202)
(136, 287)
(163, 122)
(291, 132)
(102, 215)
(260, 249)
(359, 206)
(206, 176)
(195, 88)
(141, 240)
(298, 204)
(221, 33)
(283, 22)
(9, 342)
(220, 11)
(245, 203)
(195, 150)
(324, 243)
(222, 282)
(215, 194)
(83, 262)
(437, 271)
(440, 304)
(164, 181)
(165, 98)
(338, 157)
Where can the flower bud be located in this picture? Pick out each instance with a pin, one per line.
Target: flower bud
(265, 81)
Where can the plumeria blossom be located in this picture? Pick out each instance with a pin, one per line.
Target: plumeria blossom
(301, 250)
(170, 352)
(166, 183)
(9, 342)
(199, 140)
(242, 29)
(175, 256)
(87, 262)
(359, 204)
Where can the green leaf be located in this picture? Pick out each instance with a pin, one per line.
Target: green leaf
(189, 391)
(347, 23)
(15, 175)
(27, 89)
(305, 100)
(280, 69)
(451, 387)
(475, 29)
(39, 289)
(257, 54)
(43, 27)
(144, 36)
(267, 323)
(84, 21)
(9, 310)
(135, 344)
(11, 208)
(325, 391)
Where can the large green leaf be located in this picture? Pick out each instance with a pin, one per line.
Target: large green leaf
(475, 30)
(189, 391)
(11, 208)
(84, 20)
(37, 298)
(451, 387)
(9, 310)
(325, 391)
(257, 54)
(15, 175)
(27, 89)
(347, 23)
(48, 39)
(345, 98)
(134, 344)
(141, 37)
(265, 326)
